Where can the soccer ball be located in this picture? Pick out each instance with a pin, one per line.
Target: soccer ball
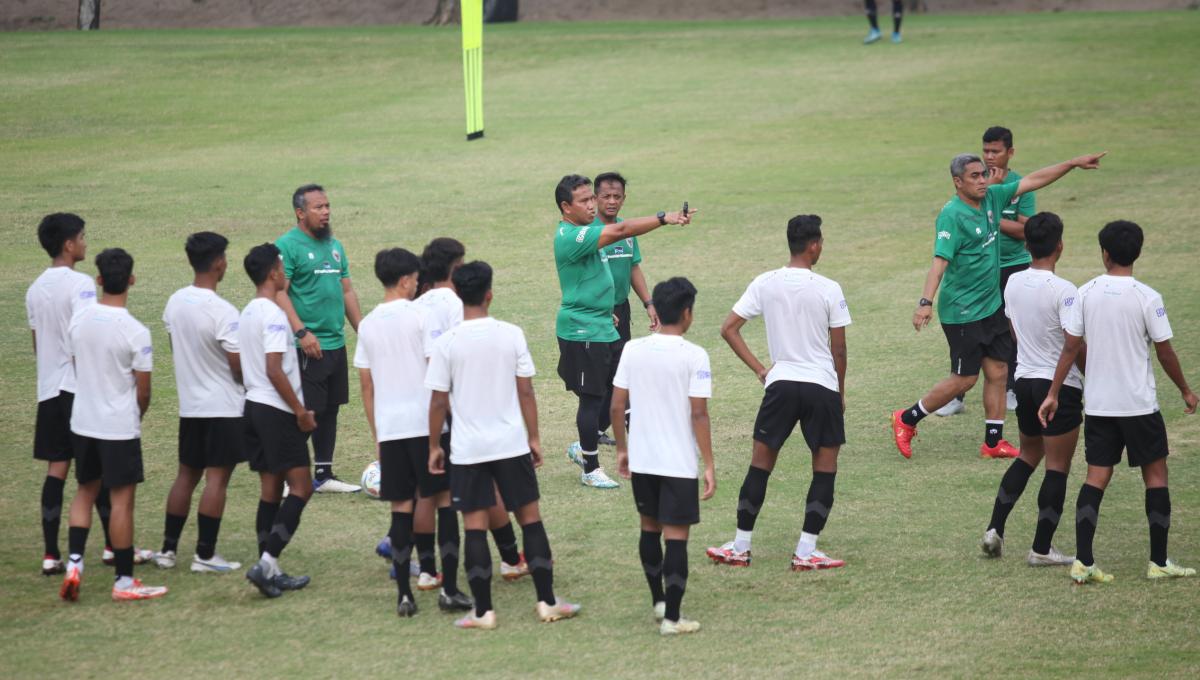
(370, 480)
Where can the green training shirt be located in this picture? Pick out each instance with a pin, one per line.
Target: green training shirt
(1012, 250)
(622, 255)
(966, 238)
(586, 282)
(316, 269)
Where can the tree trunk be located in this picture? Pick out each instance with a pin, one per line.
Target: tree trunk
(443, 14)
(89, 15)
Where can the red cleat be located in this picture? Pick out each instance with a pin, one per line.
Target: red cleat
(903, 434)
(727, 555)
(816, 560)
(1002, 449)
(70, 586)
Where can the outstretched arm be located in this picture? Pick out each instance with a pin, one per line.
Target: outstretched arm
(640, 225)
(1036, 180)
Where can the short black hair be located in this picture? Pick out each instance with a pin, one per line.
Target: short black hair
(392, 264)
(115, 267)
(609, 177)
(802, 230)
(204, 248)
(260, 261)
(438, 257)
(1123, 241)
(566, 189)
(472, 281)
(1043, 232)
(998, 134)
(672, 297)
(56, 229)
(298, 201)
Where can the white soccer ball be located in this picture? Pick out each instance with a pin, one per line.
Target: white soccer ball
(370, 480)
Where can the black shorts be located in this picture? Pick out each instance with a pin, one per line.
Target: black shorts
(404, 469)
(971, 342)
(818, 409)
(667, 500)
(274, 442)
(211, 442)
(52, 430)
(115, 463)
(623, 322)
(1144, 437)
(583, 366)
(473, 487)
(325, 381)
(1031, 392)
(1006, 272)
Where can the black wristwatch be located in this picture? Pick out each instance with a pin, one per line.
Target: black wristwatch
(301, 333)
(662, 218)
(925, 302)
(647, 303)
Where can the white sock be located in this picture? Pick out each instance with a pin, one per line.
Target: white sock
(270, 565)
(124, 583)
(921, 405)
(741, 540)
(807, 544)
(75, 561)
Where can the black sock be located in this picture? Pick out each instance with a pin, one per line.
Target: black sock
(1158, 513)
(1051, 497)
(448, 545)
(206, 541)
(123, 561)
(993, 432)
(1012, 485)
(675, 575)
(104, 510)
(172, 529)
(541, 566)
(913, 414)
(651, 552)
(506, 544)
(819, 502)
(897, 14)
(324, 439)
(263, 521)
(286, 522)
(52, 500)
(587, 422)
(591, 461)
(872, 14)
(1087, 515)
(426, 553)
(401, 535)
(478, 562)
(77, 540)
(751, 497)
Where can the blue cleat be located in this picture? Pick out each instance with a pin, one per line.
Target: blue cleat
(384, 549)
(872, 37)
(896, 38)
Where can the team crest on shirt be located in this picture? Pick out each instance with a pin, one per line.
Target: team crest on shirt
(704, 375)
(310, 256)
(87, 294)
(337, 256)
(944, 235)
(147, 349)
(843, 304)
(629, 242)
(1161, 312)
(1068, 302)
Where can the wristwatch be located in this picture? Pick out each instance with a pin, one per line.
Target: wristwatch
(301, 333)
(925, 302)
(662, 218)
(647, 303)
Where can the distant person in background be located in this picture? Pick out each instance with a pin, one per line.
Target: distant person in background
(873, 17)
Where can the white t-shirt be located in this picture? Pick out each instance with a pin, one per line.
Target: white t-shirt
(108, 345)
(263, 328)
(799, 307)
(662, 372)
(443, 311)
(1119, 316)
(51, 301)
(478, 363)
(203, 327)
(1038, 303)
(392, 343)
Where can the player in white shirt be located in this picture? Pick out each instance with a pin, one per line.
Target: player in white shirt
(203, 331)
(113, 357)
(1120, 317)
(672, 381)
(1038, 303)
(806, 317)
(277, 422)
(481, 370)
(390, 359)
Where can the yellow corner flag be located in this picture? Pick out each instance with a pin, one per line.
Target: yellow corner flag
(472, 45)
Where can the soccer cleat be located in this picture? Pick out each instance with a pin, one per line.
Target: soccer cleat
(165, 559)
(992, 544)
(816, 560)
(139, 556)
(1081, 574)
(384, 548)
(727, 555)
(575, 454)
(598, 480)
(406, 607)
(606, 440)
(1002, 449)
(872, 37)
(70, 585)
(458, 602)
(429, 581)
(216, 564)
(1010, 401)
(678, 627)
(52, 565)
(561, 609)
(903, 434)
(335, 485)
(471, 621)
(953, 408)
(1172, 570)
(265, 584)
(512, 572)
(660, 611)
(107, 557)
(1051, 559)
(137, 591)
(896, 39)
(284, 582)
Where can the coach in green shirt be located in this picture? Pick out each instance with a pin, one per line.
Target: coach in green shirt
(586, 325)
(318, 299)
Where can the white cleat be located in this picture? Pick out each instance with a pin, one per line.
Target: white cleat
(215, 565)
(678, 627)
(165, 560)
(429, 581)
(561, 609)
(598, 480)
(955, 407)
(1051, 559)
(335, 485)
(52, 566)
(992, 544)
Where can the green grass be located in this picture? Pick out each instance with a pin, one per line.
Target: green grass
(153, 135)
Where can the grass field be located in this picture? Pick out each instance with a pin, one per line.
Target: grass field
(153, 135)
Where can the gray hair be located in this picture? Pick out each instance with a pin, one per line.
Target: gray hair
(959, 165)
(298, 196)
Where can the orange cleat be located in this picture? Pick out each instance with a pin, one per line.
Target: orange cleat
(903, 434)
(70, 585)
(816, 560)
(1002, 449)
